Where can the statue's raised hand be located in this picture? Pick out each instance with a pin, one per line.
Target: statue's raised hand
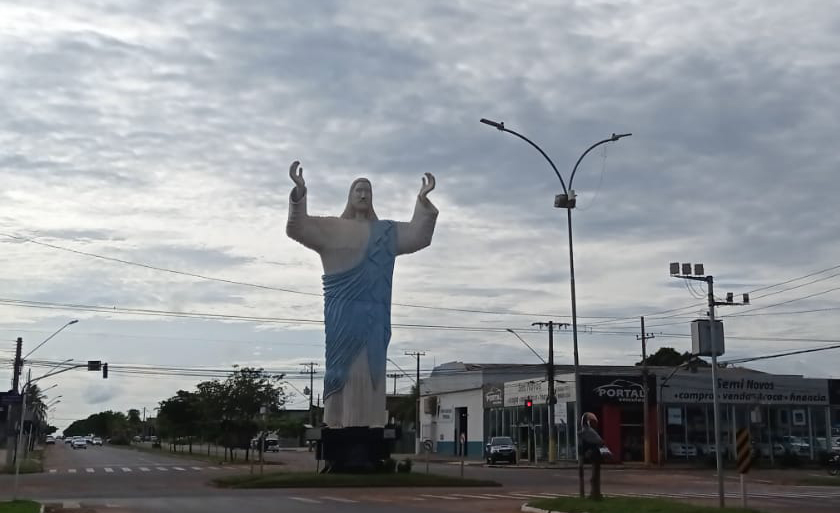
(428, 186)
(296, 174)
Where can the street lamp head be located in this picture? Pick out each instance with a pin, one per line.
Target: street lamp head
(74, 321)
(494, 124)
(616, 137)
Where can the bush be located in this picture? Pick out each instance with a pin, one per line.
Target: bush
(119, 440)
(404, 466)
(790, 459)
(389, 466)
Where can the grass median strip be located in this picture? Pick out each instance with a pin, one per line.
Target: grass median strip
(820, 481)
(19, 507)
(195, 455)
(628, 504)
(311, 480)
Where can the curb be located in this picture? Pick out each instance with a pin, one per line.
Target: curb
(530, 509)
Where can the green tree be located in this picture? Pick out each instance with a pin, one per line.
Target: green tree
(670, 357)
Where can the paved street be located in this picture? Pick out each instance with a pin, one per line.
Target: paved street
(123, 480)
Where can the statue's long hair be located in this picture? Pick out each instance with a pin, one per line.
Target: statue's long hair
(349, 212)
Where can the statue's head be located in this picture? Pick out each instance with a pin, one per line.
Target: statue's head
(360, 201)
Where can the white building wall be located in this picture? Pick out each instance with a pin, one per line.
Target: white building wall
(440, 426)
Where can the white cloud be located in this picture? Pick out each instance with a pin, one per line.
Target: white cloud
(163, 135)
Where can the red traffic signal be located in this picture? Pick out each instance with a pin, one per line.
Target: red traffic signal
(529, 403)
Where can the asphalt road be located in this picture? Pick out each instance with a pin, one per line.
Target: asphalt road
(122, 480)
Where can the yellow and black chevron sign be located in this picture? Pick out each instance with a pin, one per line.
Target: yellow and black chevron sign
(743, 450)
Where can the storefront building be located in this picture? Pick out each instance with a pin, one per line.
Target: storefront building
(785, 414)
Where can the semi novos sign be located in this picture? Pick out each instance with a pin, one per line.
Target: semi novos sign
(736, 387)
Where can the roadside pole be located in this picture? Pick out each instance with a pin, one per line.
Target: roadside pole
(463, 440)
(743, 447)
(427, 445)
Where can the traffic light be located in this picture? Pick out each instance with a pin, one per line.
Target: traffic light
(529, 405)
(104, 371)
(94, 365)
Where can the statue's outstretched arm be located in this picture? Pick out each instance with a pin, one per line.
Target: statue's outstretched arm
(417, 234)
(301, 226)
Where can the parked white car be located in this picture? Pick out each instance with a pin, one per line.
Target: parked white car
(79, 443)
(677, 449)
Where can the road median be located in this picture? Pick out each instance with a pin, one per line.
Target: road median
(622, 505)
(311, 480)
(19, 507)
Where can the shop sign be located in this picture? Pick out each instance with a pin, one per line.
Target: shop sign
(675, 417)
(493, 396)
(834, 391)
(738, 388)
(515, 392)
(445, 415)
(561, 413)
(614, 389)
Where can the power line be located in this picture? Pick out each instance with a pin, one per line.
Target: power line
(253, 285)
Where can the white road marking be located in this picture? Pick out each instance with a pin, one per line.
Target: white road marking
(213, 468)
(416, 499)
(53, 471)
(144, 469)
(196, 468)
(444, 497)
(308, 501)
(126, 469)
(162, 469)
(71, 505)
(109, 469)
(498, 496)
(529, 495)
(179, 468)
(90, 470)
(338, 499)
(472, 496)
(71, 470)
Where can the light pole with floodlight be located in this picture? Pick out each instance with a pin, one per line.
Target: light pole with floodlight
(566, 200)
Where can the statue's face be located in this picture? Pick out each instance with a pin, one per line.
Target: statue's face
(361, 197)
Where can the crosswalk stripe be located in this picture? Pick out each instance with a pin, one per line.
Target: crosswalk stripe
(53, 471)
(70, 505)
(213, 468)
(144, 469)
(109, 469)
(529, 495)
(416, 499)
(472, 496)
(162, 469)
(71, 470)
(444, 497)
(126, 469)
(90, 470)
(338, 499)
(308, 501)
(196, 468)
(179, 468)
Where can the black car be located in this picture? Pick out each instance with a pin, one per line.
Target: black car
(501, 448)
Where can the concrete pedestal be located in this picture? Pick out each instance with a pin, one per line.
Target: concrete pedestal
(353, 449)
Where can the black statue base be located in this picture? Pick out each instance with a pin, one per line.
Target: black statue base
(353, 449)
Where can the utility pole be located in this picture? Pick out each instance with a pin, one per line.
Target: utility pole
(552, 398)
(644, 337)
(395, 376)
(716, 349)
(417, 354)
(311, 373)
(17, 365)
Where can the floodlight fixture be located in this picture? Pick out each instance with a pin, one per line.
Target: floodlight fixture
(698, 270)
(675, 268)
(686, 269)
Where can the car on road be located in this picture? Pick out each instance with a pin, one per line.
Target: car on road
(79, 443)
(501, 448)
(681, 450)
(96, 441)
(50, 440)
(796, 445)
(68, 439)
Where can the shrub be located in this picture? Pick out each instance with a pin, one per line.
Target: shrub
(404, 466)
(389, 465)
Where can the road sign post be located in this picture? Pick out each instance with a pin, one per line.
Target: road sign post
(427, 445)
(463, 443)
(743, 450)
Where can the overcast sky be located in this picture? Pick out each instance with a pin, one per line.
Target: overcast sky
(161, 133)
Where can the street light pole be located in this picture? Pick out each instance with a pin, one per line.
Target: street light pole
(566, 200)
